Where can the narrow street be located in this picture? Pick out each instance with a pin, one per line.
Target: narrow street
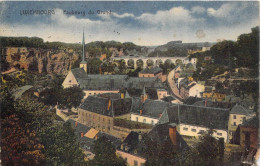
(172, 84)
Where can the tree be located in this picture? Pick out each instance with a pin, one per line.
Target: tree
(209, 151)
(105, 154)
(20, 144)
(93, 65)
(61, 146)
(71, 97)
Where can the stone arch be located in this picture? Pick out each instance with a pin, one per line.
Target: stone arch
(158, 62)
(131, 63)
(150, 63)
(140, 63)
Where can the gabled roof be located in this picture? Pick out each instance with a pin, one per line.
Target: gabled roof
(238, 109)
(160, 134)
(153, 70)
(113, 82)
(101, 106)
(213, 118)
(133, 145)
(152, 108)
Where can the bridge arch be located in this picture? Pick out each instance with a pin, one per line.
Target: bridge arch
(131, 63)
(139, 63)
(150, 63)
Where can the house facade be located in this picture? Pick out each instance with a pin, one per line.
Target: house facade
(238, 116)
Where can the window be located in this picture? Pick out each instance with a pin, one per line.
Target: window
(144, 120)
(103, 119)
(137, 119)
(234, 116)
(135, 163)
(125, 159)
(193, 130)
(69, 81)
(185, 128)
(234, 124)
(220, 134)
(108, 121)
(202, 131)
(108, 128)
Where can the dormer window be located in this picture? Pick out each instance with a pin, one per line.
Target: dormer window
(234, 116)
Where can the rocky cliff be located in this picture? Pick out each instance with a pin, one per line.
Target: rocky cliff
(40, 60)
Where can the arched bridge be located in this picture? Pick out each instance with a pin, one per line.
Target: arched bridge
(154, 61)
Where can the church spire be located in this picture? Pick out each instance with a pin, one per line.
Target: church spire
(83, 48)
(83, 63)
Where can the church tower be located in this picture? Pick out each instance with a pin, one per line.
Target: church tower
(83, 63)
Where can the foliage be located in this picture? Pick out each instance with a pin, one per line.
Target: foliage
(71, 97)
(227, 55)
(27, 126)
(61, 146)
(208, 152)
(94, 65)
(134, 73)
(105, 154)
(20, 144)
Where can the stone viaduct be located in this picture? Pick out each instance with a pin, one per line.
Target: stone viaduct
(154, 60)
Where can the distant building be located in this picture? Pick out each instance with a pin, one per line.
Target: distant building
(190, 88)
(152, 72)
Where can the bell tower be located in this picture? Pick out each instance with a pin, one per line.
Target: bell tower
(83, 64)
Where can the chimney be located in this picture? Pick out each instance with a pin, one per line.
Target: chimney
(160, 115)
(76, 124)
(141, 112)
(96, 137)
(173, 133)
(82, 135)
(109, 104)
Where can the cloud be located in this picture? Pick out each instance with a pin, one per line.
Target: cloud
(123, 15)
(198, 10)
(176, 23)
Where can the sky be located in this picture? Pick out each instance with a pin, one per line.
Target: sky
(143, 23)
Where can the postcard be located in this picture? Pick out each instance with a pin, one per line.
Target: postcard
(105, 83)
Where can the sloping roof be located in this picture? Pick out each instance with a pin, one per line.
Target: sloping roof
(213, 118)
(113, 82)
(100, 105)
(133, 145)
(191, 100)
(91, 133)
(253, 122)
(153, 70)
(152, 108)
(238, 109)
